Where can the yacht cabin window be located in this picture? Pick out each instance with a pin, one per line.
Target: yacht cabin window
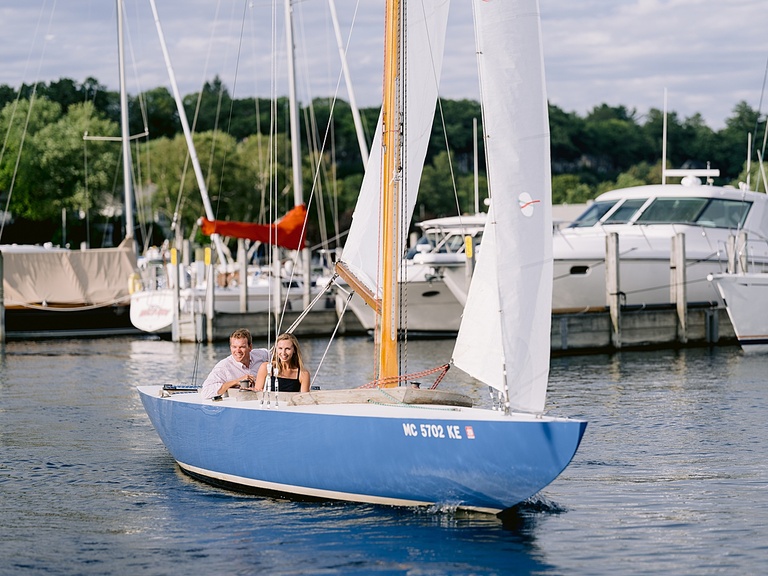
(624, 211)
(593, 214)
(708, 212)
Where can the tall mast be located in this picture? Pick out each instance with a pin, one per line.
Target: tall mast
(298, 188)
(350, 92)
(124, 130)
(209, 213)
(388, 323)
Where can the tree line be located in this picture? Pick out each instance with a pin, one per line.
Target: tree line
(61, 187)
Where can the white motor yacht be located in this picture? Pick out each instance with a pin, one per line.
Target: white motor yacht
(646, 218)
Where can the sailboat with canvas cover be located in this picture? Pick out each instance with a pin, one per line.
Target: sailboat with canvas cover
(54, 292)
(390, 441)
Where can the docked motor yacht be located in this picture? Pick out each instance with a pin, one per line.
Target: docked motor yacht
(646, 218)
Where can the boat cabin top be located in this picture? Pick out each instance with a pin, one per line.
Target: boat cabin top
(705, 206)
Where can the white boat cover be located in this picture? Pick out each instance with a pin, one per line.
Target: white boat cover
(34, 275)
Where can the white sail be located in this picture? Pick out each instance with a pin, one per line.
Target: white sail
(427, 22)
(504, 339)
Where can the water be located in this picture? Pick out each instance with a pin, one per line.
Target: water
(670, 478)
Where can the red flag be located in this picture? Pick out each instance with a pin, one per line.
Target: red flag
(288, 232)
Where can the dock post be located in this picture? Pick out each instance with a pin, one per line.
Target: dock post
(731, 254)
(678, 295)
(470, 245)
(712, 326)
(175, 281)
(612, 286)
(743, 254)
(736, 251)
(2, 302)
(186, 251)
(243, 275)
(210, 287)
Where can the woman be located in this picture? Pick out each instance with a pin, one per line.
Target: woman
(286, 366)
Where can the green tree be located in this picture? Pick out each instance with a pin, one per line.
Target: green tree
(566, 139)
(79, 174)
(155, 110)
(21, 174)
(614, 140)
(732, 140)
(436, 196)
(229, 182)
(568, 189)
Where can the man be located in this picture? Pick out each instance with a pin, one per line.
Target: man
(242, 364)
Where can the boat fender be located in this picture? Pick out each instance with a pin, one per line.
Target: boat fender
(134, 283)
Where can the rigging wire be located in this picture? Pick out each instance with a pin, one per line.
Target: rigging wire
(29, 108)
(761, 153)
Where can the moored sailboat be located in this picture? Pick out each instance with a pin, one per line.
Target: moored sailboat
(746, 300)
(389, 441)
(55, 292)
(744, 289)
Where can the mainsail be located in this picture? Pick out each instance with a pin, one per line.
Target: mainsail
(504, 338)
(427, 22)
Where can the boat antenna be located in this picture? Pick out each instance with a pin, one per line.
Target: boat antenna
(749, 157)
(474, 150)
(664, 142)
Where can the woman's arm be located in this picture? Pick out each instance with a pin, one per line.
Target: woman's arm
(304, 380)
(261, 376)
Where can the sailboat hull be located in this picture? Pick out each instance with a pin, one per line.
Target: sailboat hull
(383, 454)
(746, 299)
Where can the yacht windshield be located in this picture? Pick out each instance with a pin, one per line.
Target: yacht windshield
(710, 212)
(625, 211)
(724, 214)
(672, 210)
(593, 214)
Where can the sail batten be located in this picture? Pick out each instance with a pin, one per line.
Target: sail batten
(504, 338)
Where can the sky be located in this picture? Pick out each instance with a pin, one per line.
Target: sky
(708, 55)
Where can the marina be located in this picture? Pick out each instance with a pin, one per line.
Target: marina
(669, 479)
(602, 384)
(589, 330)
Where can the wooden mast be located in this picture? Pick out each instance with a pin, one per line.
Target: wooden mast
(387, 325)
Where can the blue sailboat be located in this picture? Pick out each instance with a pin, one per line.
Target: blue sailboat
(394, 443)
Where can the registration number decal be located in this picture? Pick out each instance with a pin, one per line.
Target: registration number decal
(450, 431)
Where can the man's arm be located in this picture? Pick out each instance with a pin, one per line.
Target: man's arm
(217, 381)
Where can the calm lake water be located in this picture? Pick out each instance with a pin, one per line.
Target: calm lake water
(671, 477)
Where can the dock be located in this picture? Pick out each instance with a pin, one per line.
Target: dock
(606, 329)
(640, 328)
(572, 332)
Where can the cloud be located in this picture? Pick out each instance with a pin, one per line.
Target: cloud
(707, 54)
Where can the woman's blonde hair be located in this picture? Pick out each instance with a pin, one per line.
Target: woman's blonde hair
(296, 360)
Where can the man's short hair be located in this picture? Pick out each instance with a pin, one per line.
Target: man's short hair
(241, 333)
